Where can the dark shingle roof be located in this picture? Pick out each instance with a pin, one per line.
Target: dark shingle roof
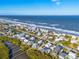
(63, 54)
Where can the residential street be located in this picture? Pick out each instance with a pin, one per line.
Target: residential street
(15, 51)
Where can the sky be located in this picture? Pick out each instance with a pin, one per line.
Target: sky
(39, 7)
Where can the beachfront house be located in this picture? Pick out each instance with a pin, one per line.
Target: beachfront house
(38, 33)
(44, 30)
(74, 37)
(60, 39)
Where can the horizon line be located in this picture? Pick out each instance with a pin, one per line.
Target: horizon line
(38, 15)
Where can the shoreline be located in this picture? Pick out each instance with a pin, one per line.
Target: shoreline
(59, 30)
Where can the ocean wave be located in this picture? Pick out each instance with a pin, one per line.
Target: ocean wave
(15, 19)
(37, 23)
(60, 30)
(54, 25)
(46, 27)
(42, 23)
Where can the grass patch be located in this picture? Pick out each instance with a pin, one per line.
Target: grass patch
(35, 54)
(4, 51)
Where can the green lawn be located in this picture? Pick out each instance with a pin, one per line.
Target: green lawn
(35, 54)
(4, 52)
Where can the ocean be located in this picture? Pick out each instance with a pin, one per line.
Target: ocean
(63, 22)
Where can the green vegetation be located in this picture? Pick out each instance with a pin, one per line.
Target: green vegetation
(68, 36)
(4, 52)
(24, 47)
(32, 53)
(35, 54)
(12, 40)
(78, 54)
(69, 44)
(66, 43)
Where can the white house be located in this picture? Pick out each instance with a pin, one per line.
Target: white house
(32, 38)
(21, 34)
(62, 55)
(27, 36)
(72, 55)
(60, 39)
(43, 30)
(25, 41)
(38, 33)
(22, 38)
(48, 45)
(35, 45)
(73, 41)
(74, 37)
(29, 43)
(78, 48)
(52, 48)
(40, 42)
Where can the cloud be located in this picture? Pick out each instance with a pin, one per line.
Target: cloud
(57, 2)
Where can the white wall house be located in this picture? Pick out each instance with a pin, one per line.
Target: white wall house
(72, 55)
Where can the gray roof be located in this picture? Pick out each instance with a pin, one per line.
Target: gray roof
(58, 48)
(63, 54)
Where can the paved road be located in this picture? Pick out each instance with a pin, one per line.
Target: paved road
(15, 51)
